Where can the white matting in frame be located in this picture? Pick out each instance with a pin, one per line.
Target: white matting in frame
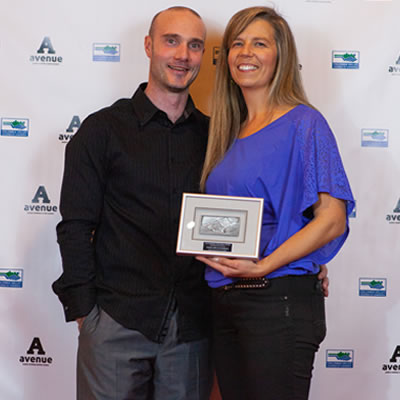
(214, 225)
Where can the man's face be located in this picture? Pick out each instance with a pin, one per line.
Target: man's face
(175, 49)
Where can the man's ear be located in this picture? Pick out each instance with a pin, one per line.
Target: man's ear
(148, 45)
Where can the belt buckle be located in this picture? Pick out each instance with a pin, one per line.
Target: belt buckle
(229, 286)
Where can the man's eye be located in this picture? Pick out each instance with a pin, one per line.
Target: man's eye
(196, 46)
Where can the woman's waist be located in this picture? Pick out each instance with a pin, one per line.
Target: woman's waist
(300, 268)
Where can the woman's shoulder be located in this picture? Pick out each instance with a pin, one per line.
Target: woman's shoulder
(307, 113)
(310, 121)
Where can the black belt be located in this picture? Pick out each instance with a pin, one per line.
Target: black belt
(247, 283)
(279, 285)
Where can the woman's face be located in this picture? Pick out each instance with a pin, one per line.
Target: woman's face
(252, 56)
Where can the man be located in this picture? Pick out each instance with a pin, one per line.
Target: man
(142, 311)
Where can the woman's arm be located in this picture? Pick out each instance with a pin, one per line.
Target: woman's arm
(328, 223)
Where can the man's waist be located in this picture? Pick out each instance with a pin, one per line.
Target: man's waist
(146, 313)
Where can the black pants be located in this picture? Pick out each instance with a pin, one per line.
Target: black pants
(265, 339)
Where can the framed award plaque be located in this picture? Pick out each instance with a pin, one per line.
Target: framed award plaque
(214, 225)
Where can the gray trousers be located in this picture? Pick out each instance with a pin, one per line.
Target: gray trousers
(116, 363)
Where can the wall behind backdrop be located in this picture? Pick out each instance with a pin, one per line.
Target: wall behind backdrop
(60, 61)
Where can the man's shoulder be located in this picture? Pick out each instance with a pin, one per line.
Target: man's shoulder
(202, 119)
(119, 112)
(199, 114)
(123, 105)
(98, 125)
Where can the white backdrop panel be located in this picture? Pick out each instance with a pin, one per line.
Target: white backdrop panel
(46, 98)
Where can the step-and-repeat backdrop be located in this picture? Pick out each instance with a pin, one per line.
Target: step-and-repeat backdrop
(60, 61)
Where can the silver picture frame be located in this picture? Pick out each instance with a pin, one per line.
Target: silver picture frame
(213, 225)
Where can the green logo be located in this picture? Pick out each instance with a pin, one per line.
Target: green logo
(349, 57)
(342, 356)
(16, 124)
(11, 276)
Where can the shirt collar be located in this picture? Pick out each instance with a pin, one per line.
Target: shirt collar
(146, 110)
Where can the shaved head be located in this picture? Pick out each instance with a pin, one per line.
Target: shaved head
(175, 47)
(175, 8)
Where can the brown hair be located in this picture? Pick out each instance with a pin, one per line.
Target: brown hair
(228, 106)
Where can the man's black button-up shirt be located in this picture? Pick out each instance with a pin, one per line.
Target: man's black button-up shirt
(125, 171)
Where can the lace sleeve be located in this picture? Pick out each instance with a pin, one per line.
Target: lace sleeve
(323, 171)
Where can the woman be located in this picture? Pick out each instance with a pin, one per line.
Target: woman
(267, 141)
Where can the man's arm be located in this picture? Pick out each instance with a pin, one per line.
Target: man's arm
(82, 196)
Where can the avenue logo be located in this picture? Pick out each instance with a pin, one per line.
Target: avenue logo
(393, 367)
(73, 126)
(35, 355)
(41, 203)
(395, 217)
(46, 54)
(395, 69)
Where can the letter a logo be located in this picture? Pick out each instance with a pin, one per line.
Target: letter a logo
(41, 194)
(395, 354)
(75, 123)
(46, 44)
(397, 208)
(36, 345)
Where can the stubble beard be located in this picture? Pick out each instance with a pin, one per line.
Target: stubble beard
(161, 78)
(179, 89)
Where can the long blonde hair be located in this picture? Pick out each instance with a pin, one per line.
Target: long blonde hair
(228, 106)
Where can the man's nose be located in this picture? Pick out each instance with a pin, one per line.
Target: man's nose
(182, 52)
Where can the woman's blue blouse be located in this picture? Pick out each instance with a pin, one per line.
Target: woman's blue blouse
(288, 163)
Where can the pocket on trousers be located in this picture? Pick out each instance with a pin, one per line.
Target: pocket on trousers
(90, 322)
(263, 314)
